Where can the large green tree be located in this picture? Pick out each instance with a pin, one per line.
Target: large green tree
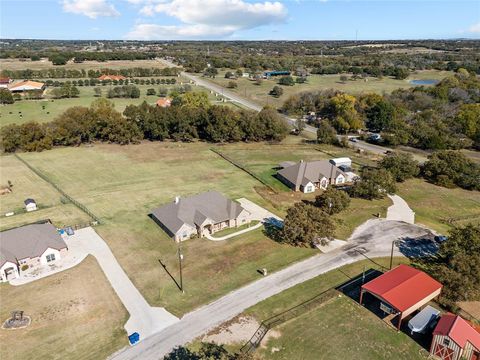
(402, 166)
(306, 225)
(373, 184)
(457, 265)
(332, 200)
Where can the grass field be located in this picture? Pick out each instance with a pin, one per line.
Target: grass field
(436, 206)
(32, 110)
(26, 184)
(336, 329)
(121, 184)
(75, 315)
(16, 64)
(259, 93)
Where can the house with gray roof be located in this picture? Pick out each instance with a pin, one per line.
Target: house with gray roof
(307, 176)
(29, 246)
(200, 214)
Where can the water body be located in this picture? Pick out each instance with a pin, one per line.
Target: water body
(424, 82)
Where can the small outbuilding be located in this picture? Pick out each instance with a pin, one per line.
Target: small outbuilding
(30, 205)
(402, 291)
(164, 102)
(455, 338)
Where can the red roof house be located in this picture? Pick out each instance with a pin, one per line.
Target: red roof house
(164, 102)
(403, 289)
(455, 338)
(111, 77)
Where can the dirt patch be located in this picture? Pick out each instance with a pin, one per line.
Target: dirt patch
(238, 330)
(471, 307)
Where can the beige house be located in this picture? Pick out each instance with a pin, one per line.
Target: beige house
(309, 176)
(200, 214)
(29, 246)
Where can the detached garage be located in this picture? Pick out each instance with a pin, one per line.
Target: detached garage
(455, 338)
(402, 291)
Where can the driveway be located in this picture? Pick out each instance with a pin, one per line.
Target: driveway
(258, 213)
(144, 319)
(373, 239)
(400, 211)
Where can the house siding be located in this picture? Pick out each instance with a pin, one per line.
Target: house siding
(438, 349)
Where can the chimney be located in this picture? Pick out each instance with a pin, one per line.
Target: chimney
(177, 199)
(301, 161)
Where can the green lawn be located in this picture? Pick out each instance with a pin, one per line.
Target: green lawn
(75, 315)
(26, 184)
(439, 208)
(121, 184)
(259, 93)
(233, 230)
(338, 328)
(33, 110)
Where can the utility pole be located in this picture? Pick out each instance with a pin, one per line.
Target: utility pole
(180, 260)
(394, 242)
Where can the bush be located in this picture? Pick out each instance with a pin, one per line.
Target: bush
(151, 92)
(277, 91)
(332, 201)
(24, 267)
(286, 81)
(326, 134)
(232, 85)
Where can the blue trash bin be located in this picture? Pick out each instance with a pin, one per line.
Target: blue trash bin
(134, 338)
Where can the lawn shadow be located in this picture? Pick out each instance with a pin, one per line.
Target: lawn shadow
(169, 274)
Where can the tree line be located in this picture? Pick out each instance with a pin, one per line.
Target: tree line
(62, 73)
(444, 116)
(190, 118)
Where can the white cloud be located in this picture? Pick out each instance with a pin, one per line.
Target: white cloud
(90, 8)
(207, 18)
(475, 28)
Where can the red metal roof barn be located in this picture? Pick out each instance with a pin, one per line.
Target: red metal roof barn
(455, 338)
(402, 290)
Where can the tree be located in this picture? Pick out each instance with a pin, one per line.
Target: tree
(345, 115)
(229, 75)
(210, 72)
(195, 100)
(468, 119)
(98, 91)
(451, 168)
(401, 73)
(332, 201)
(402, 166)
(373, 184)
(151, 92)
(305, 225)
(380, 116)
(343, 78)
(271, 125)
(232, 85)
(286, 81)
(6, 97)
(326, 134)
(457, 265)
(277, 91)
(163, 92)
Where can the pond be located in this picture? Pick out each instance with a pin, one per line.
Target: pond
(424, 82)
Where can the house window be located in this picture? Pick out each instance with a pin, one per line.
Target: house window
(50, 257)
(446, 342)
(184, 235)
(309, 188)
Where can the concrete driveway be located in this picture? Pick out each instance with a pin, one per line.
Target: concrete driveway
(400, 211)
(373, 239)
(144, 319)
(258, 213)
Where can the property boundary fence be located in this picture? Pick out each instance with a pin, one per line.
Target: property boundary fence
(60, 190)
(241, 167)
(307, 305)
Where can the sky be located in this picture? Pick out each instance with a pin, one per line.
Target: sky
(239, 19)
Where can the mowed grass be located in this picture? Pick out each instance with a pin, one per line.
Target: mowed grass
(337, 328)
(340, 329)
(440, 208)
(27, 184)
(75, 315)
(121, 184)
(260, 93)
(48, 109)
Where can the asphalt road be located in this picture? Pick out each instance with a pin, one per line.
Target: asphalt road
(373, 239)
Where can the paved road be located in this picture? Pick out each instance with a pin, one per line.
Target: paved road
(144, 319)
(374, 238)
(254, 106)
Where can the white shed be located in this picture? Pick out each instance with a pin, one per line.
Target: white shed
(343, 161)
(30, 205)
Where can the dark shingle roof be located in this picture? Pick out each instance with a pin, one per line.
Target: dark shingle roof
(28, 241)
(194, 210)
(304, 172)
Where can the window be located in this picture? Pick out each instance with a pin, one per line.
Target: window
(184, 235)
(50, 257)
(309, 188)
(446, 342)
